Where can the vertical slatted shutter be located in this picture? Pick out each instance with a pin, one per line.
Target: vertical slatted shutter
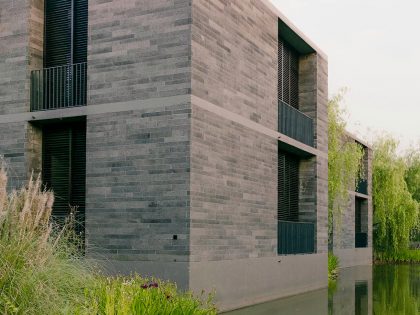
(66, 28)
(288, 187)
(64, 169)
(288, 74)
(57, 33)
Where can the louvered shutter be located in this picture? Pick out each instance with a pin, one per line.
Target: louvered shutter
(80, 31)
(64, 169)
(288, 187)
(288, 74)
(57, 33)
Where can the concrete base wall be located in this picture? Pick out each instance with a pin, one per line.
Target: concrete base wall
(354, 257)
(257, 280)
(344, 300)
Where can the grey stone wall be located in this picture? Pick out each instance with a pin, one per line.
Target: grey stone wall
(13, 151)
(321, 129)
(138, 169)
(344, 227)
(233, 190)
(14, 38)
(234, 57)
(138, 50)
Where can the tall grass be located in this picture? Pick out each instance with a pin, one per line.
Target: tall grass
(407, 256)
(41, 271)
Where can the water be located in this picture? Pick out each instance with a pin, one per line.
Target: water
(365, 290)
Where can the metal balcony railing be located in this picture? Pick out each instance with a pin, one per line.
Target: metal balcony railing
(361, 240)
(296, 238)
(59, 87)
(362, 186)
(295, 124)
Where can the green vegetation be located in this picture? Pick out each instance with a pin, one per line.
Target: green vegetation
(412, 178)
(333, 265)
(395, 290)
(400, 257)
(344, 162)
(395, 210)
(42, 273)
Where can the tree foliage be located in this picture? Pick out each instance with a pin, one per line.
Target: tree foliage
(395, 210)
(412, 173)
(345, 161)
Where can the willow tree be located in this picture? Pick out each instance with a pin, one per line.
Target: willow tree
(395, 210)
(412, 178)
(345, 162)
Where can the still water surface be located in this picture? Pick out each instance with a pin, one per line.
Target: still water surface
(365, 290)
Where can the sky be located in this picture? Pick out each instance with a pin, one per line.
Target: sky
(373, 49)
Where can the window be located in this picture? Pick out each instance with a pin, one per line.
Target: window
(66, 25)
(64, 169)
(288, 74)
(360, 223)
(288, 187)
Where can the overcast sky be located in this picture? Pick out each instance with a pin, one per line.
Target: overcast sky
(373, 49)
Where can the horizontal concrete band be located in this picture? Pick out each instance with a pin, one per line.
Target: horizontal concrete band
(153, 103)
(95, 109)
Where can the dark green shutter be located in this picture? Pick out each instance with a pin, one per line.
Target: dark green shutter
(64, 169)
(288, 74)
(66, 29)
(288, 187)
(80, 32)
(58, 33)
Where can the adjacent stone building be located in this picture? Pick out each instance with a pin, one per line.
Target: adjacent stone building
(190, 134)
(352, 233)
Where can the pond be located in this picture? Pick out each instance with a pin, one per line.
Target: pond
(364, 290)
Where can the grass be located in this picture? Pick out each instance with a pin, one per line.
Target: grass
(41, 271)
(408, 256)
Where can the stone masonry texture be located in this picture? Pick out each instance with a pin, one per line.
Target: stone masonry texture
(233, 190)
(234, 57)
(173, 181)
(234, 169)
(138, 50)
(138, 162)
(344, 229)
(138, 166)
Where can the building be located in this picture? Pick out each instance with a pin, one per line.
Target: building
(190, 134)
(352, 234)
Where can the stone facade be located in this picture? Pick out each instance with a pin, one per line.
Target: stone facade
(344, 234)
(182, 140)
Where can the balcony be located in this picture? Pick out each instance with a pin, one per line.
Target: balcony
(295, 124)
(296, 238)
(59, 87)
(362, 186)
(361, 240)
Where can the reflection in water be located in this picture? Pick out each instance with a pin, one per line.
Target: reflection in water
(381, 290)
(396, 290)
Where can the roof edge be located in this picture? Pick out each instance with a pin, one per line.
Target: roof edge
(298, 32)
